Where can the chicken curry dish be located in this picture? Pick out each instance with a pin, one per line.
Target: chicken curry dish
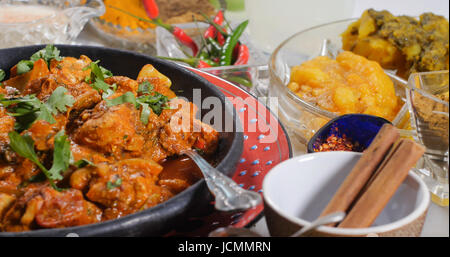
(79, 145)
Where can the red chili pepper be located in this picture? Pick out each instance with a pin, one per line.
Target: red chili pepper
(203, 64)
(185, 39)
(211, 31)
(151, 8)
(220, 39)
(243, 55)
(200, 144)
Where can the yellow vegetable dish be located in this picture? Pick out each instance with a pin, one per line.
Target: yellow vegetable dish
(349, 84)
(401, 43)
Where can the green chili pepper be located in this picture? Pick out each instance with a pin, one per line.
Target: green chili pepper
(203, 56)
(240, 80)
(230, 43)
(215, 46)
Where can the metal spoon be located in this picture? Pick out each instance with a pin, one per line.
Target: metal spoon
(328, 219)
(228, 195)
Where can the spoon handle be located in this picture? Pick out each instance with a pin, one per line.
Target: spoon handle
(228, 195)
(330, 218)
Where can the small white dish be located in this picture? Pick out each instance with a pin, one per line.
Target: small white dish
(297, 190)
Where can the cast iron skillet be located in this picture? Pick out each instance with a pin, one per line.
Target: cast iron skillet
(162, 218)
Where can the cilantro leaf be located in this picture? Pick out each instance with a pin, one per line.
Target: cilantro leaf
(145, 113)
(45, 113)
(61, 156)
(97, 72)
(48, 53)
(59, 100)
(24, 146)
(155, 101)
(111, 185)
(83, 163)
(128, 97)
(28, 109)
(24, 66)
(145, 87)
(2, 75)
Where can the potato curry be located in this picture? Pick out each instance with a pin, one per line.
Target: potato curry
(401, 43)
(79, 145)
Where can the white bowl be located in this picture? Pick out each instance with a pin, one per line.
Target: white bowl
(297, 190)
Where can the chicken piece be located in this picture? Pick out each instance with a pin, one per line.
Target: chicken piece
(182, 131)
(65, 209)
(70, 71)
(111, 130)
(6, 125)
(14, 216)
(122, 187)
(84, 153)
(208, 140)
(43, 206)
(85, 96)
(26, 169)
(124, 85)
(42, 132)
(6, 200)
(9, 181)
(22, 81)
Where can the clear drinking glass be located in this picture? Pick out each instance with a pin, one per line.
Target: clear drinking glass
(61, 23)
(427, 98)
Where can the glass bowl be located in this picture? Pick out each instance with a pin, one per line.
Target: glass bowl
(139, 40)
(359, 129)
(60, 25)
(430, 118)
(302, 118)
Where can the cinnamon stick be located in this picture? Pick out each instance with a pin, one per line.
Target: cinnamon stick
(362, 171)
(384, 185)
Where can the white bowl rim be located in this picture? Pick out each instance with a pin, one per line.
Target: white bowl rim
(416, 213)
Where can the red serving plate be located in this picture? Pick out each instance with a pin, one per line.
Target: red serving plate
(258, 158)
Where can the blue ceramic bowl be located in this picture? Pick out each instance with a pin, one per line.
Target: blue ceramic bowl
(358, 128)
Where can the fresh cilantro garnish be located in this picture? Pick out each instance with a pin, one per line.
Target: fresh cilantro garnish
(24, 146)
(48, 53)
(111, 185)
(2, 75)
(28, 109)
(97, 79)
(145, 113)
(128, 97)
(24, 66)
(97, 72)
(59, 100)
(154, 101)
(83, 163)
(61, 156)
(145, 87)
